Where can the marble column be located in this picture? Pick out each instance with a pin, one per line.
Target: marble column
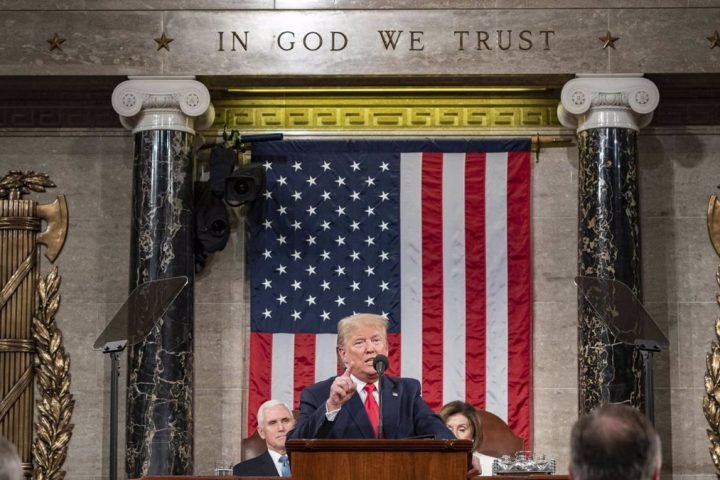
(607, 111)
(163, 113)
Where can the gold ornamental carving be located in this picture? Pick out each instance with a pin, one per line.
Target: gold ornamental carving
(28, 305)
(711, 401)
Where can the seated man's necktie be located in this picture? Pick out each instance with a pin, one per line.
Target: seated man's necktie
(285, 466)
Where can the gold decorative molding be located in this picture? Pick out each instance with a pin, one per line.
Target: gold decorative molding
(711, 401)
(55, 405)
(405, 111)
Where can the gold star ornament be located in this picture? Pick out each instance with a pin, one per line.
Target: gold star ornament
(608, 40)
(714, 40)
(164, 42)
(55, 42)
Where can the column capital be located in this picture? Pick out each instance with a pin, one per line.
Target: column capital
(608, 100)
(163, 103)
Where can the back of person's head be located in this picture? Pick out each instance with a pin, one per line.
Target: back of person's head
(10, 464)
(614, 442)
(268, 404)
(458, 407)
(348, 324)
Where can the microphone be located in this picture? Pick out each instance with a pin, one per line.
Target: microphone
(380, 364)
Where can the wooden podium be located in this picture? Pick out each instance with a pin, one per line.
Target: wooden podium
(360, 459)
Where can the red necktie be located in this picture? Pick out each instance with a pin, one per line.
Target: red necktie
(371, 407)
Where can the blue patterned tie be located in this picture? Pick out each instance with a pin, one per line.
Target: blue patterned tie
(285, 470)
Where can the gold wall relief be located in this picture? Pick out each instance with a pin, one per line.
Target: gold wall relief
(27, 328)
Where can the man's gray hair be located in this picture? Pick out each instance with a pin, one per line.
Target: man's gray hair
(10, 464)
(614, 441)
(268, 404)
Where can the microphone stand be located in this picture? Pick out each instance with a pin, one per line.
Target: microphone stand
(380, 402)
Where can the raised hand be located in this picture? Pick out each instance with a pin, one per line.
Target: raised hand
(341, 390)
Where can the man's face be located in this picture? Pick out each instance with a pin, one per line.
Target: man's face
(277, 422)
(361, 346)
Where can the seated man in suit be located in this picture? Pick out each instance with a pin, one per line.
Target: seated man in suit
(275, 420)
(615, 441)
(346, 406)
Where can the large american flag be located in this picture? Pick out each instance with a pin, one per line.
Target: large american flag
(433, 234)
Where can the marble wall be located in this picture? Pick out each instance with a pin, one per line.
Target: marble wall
(678, 174)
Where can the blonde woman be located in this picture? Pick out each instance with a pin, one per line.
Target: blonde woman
(463, 420)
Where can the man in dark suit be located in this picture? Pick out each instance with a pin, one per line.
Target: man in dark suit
(338, 407)
(275, 420)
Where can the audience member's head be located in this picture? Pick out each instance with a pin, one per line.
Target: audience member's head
(10, 464)
(614, 442)
(463, 421)
(275, 420)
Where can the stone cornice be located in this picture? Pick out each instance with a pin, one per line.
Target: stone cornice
(598, 101)
(163, 103)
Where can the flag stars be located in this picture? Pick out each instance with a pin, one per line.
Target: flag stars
(296, 285)
(296, 316)
(310, 270)
(325, 316)
(282, 239)
(296, 255)
(340, 240)
(355, 196)
(384, 196)
(355, 256)
(267, 165)
(282, 210)
(370, 241)
(296, 225)
(282, 181)
(355, 166)
(267, 283)
(340, 211)
(325, 196)
(340, 301)
(370, 211)
(370, 301)
(310, 300)
(282, 269)
(267, 224)
(297, 196)
(384, 225)
(297, 166)
(311, 211)
(325, 285)
(267, 194)
(325, 225)
(384, 166)
(370, 270)
(340, 181)
(340, 270)
(355, 286)
(384, 256)
(325, 255)
(311, 240)
(370, 181)
(281, 299)
(267, 254)
(267, 313)
(384, 286)
(311, 181)
(355, 225)
(325, 166)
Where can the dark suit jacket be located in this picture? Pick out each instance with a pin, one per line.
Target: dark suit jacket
(262, 466)
(405, 413)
